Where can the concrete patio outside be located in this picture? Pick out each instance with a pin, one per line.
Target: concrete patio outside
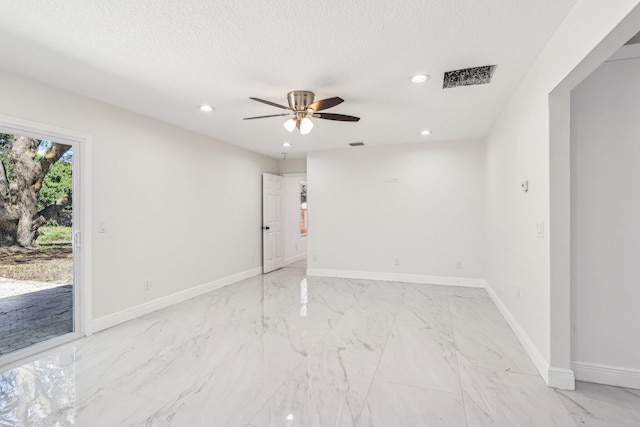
(31, 312)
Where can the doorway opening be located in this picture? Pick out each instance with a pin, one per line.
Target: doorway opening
(285, 223)
(604, 228)
(304, 222)
(561, 371)
(40, 256)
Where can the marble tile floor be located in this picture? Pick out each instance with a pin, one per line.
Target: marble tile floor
(285, 350)
(32, 312)
(597, 405)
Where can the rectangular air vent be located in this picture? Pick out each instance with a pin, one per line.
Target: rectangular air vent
(356, 144)
(468, 77)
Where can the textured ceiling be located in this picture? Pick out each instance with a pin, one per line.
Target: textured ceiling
(162, 58)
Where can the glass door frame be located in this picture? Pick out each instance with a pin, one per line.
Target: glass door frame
(81, 231)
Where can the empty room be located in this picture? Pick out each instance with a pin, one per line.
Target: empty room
(338, 213)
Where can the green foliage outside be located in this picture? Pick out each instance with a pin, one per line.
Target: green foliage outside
(57, 183)
(54, 235)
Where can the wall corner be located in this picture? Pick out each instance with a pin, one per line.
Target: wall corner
(561, 378)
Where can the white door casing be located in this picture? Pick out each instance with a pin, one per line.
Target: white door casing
(272, 227)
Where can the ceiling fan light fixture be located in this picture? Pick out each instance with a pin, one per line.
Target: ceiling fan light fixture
(305, 125)
(286, 144)
(206, 108)
(425, 132)
(290, 125)
(302, 107)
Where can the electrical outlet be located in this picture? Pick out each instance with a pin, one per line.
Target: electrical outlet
(540, 229)
(147, 284)
(396, 261)
(102, 228)
(459, 265)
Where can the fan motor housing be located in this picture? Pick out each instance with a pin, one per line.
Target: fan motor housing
(299, 100)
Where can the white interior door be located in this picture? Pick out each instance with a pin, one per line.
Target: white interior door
(272, 227)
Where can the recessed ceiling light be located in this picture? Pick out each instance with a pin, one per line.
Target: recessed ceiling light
(286, 144)
(419, 78)
(425, 132)
(206, 108)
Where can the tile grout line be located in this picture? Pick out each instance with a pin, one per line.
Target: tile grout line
(419, 387)
(124, 392)
(323, 338)
(395, 318)
(455, 345)
(568, 408)
(276, 390)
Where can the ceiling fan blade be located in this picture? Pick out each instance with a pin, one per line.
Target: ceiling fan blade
(269, 103)
(326, 103)
(262, 117)
(338, 117)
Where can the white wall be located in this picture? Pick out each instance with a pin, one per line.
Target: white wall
(530, 275)
(292, 166)
(181, 209)
(422, 204)
(605, 212)
(295, 245)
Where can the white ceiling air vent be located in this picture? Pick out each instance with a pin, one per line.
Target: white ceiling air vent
(356, 144)
(468, 77)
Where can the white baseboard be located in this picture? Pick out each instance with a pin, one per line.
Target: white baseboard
(553, 376)
(604, 374)
(540, 362)
(295, 258)
(134, 312)
(399, 277)
(561, 378)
